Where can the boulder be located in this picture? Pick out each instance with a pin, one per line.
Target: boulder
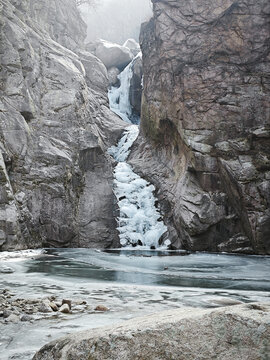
(133, 46)
(95, 71)
(113, 76)
(112, 54)
(65, 309)
(236, 332)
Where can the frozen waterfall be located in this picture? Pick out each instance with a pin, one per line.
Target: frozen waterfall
(140, 222)
(119, 96)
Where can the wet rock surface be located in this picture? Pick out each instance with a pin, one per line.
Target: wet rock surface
(204, 138)
(238, 332)
(55, 126)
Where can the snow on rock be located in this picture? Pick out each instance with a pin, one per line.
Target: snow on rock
(133, 46)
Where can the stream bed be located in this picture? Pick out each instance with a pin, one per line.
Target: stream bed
(128, 282)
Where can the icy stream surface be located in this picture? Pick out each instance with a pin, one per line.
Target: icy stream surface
(140, 222)
(129, 282)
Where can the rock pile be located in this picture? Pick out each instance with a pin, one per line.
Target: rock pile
(13, 309)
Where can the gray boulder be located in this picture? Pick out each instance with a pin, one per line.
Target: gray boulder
(237, 332)
(113, 76)
(133, 46)
(113, 54)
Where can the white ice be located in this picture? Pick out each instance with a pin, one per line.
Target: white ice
(119, 96)
(139, 220)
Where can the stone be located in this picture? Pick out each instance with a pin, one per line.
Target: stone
(13, 318)
(133, 46)
(26, 317)
(113, 73)
(6, 313)
(204, 138)
(101, 308)
(68, 302)
(235, 332)
(53, 306)
(65, 309)
(112, 54)
(44, 307)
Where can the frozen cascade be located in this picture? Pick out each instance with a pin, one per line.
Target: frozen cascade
(140, 222)
(119, 96)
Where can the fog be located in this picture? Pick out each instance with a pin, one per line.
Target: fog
(116, 20)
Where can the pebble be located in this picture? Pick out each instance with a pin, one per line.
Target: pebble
(101, 308)
(45, 308)
(6, 313)
(68, 302)
(65, 309)
(13, 318)
(53, 306)
(26, 317)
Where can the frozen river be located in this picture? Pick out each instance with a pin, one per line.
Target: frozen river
(129, 282)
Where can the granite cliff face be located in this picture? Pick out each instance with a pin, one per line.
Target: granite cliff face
(205, 128)
(55, 127)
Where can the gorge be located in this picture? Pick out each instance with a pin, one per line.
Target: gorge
(135, 179)
(204, 134)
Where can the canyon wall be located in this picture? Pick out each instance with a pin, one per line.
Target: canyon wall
(55, 127)
(205, 127)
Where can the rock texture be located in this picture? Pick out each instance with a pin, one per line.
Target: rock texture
(238, 332)
(205, 129)
(133, 46)
(135, 90)
(111, 54)
(55, 127)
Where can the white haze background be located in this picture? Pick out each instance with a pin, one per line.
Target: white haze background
(116, 20)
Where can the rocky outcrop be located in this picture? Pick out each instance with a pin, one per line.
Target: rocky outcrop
(237, 332)
(55, 127)
(135, 90)
(205, 128)
(111, 54)
(133, 46)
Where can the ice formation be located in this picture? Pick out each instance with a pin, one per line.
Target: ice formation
(119, 96)
(140, 222)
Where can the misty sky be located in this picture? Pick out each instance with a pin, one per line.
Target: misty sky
(116, 20)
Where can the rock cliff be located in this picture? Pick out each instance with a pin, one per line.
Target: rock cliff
(205, 128)
(236, 332)
(55, 127)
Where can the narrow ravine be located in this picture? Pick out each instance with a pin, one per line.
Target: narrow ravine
(140, 222)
